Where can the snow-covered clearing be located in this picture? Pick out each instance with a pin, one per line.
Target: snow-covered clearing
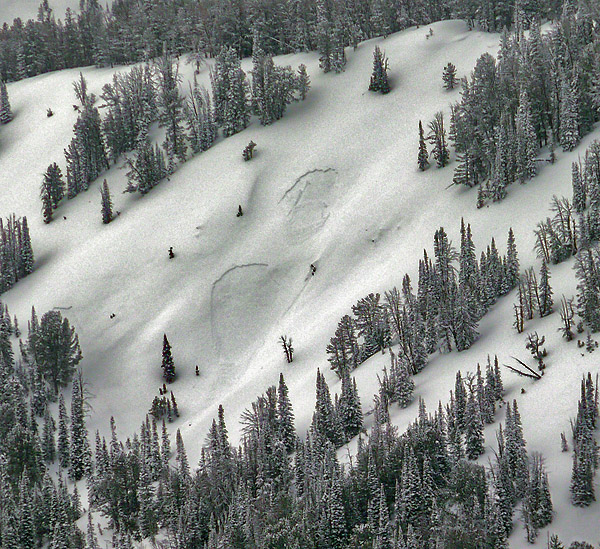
(334, 184)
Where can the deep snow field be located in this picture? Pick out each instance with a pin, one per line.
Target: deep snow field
(333, 183)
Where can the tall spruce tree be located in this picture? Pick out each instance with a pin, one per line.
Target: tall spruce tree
(423, 159)
(106, 203)
(5, 111)
(168, 365)
(379, 79)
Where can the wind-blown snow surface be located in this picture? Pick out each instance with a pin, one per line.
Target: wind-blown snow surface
(334, 184)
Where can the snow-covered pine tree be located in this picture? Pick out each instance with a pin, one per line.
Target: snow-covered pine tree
(303, 82)
(171, 110)
(46, 196)
(79, 452)
(423, 159)
(230, 93)
(325, 422)
(449, 77)
(106, 203)
(545, 291)
(579, 189)
(53, 179)
(168, 365)
(526, 141)
(63, 447)
(569, 114)
(5, 110)
(285, 416)
(437, 137)
(26, 253)
(200, 119)
(473, 429)
(379, 79)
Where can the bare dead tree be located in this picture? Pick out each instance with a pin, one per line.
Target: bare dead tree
(566, 317)
(287, 348)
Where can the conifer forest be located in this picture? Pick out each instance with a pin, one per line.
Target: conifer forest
(299, 274)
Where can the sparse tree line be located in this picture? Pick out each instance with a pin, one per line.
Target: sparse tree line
(543, 90)
(454, 292)
(129, 31)
(151, 94)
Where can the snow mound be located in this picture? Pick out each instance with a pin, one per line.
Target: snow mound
(309, 201)
(241, 308)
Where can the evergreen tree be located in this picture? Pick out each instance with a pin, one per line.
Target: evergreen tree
(285, 416)
(27, 259)
(79, 452)
(303, 82)
(569, 115)
(56, 349)
(230, 93)
(579, 193)
(526, 146)
(106, 202)
(473, 429)
(64, 454)
(54, 185)
(379, 79)
(437, 137)
(423, 160)
(168, 366)
(449, 77)
(545, 291)
(171, 106)
(5, 111)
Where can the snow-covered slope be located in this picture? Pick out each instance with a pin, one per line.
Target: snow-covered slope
(334, 183)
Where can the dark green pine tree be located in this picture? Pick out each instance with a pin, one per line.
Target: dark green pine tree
(55, 346)
(91, 538)
(335, 513)
(473, 429)
(379, 79)
(106, 203)
(512, 261)
(5, 110)
(349, 408)
(383, 539)
(516, 454)
(27, 534)
(325, 422)
(579, 191)
(460, 400)
(79, 448)
(285, 416)
(48, 444)
(26, 251)
(465, 319)
(423, 159)
(181, 455)
(63, 451)
(54, 180)
(168, 366)
(545, 291)
(46, 196)
(449, 77)
(437, 137)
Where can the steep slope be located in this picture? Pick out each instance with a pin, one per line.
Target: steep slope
(334, 184)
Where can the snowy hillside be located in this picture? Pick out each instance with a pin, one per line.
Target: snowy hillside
(334, 184)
